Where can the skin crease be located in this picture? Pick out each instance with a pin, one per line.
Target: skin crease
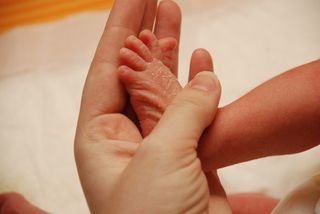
(101, 82)
(100, 164)
(100, 112)
(106, 140)
(139, 60)
(150, 83)
(277, 124)
(268, 130)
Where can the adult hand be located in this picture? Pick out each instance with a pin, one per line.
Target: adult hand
(106, 138)
(164, 174)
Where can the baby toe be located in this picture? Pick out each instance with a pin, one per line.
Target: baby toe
(131, 59)
(151, 41)
(168, 46)
(137, 46)
(127, 75)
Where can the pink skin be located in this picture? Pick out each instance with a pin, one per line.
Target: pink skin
(252, 203)
(16, 203)
(268, 130)
(145, 61)
(151, 85)
(146, 75)
(280, 116)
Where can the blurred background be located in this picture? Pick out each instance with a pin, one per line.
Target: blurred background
(45, 51)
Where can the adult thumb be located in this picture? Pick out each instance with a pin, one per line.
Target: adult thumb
(189, 114)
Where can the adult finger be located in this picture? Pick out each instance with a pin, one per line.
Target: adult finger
(125, 19)
(168, 24)
(200, 61)
(189, 113)
(149, 15)
(218, 202)
(103, 93)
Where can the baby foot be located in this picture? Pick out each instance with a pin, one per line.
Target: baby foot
(146, 75)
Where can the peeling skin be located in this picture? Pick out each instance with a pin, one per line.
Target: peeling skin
(152, 86)
(150, 83)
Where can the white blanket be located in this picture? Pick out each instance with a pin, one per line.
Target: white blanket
(43, 68)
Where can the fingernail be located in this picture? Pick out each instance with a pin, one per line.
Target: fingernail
(205, 81)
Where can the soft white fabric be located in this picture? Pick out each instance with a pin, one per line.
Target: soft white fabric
(304, 199)
(43, 67)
